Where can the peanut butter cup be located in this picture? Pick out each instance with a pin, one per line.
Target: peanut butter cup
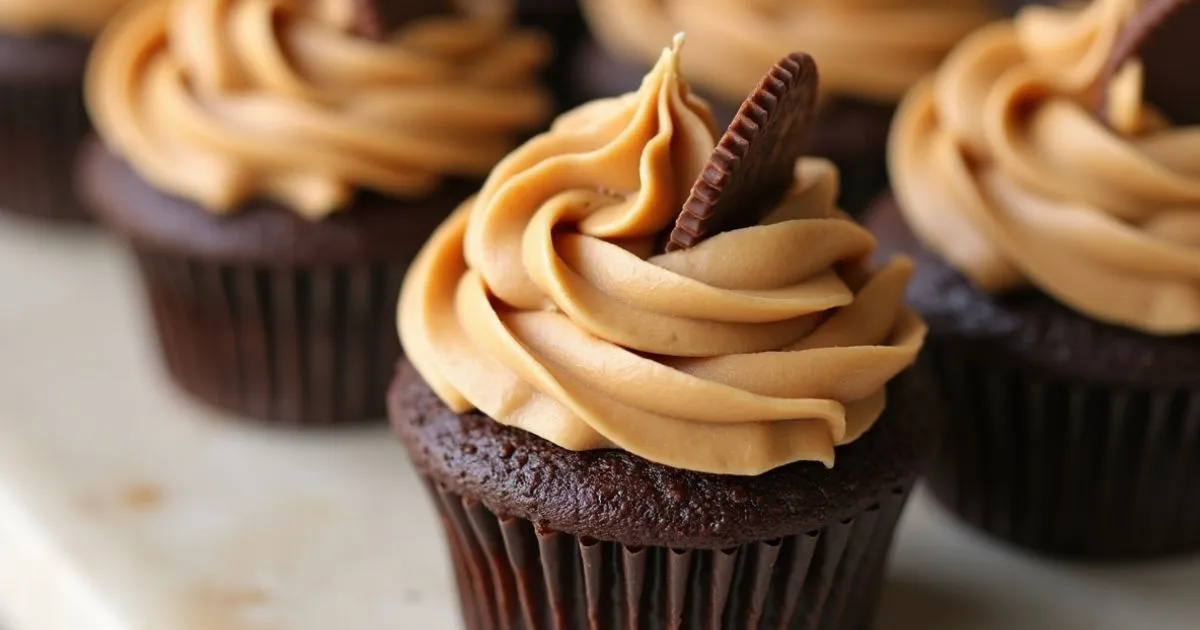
(755, 161)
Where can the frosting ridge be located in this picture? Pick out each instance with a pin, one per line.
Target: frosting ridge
(1000, 167)
(221, 101)
(541, 302)
(869, 49)
(75, 17)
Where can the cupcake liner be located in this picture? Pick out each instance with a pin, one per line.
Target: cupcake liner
(513, 574)
(296, 346)
(1066, 468)
(41, 126)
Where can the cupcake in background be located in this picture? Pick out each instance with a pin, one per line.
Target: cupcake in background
(276, 166)
(1046, 182)
(43, 49)
(720, 436)
(870, 51)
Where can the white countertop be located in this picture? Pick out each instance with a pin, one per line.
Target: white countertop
(125, 506)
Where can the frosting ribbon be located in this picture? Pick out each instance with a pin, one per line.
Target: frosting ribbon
(540, 301)
(84, 18)
(869, 49)
(222, 101)
(1001, 168)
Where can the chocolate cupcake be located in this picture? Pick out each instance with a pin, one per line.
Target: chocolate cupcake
(870, 53)
(719, 436)
(275, 172)
(1054, 213)
(43, 50)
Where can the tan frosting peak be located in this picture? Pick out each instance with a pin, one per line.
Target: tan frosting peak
(540, 303)
(221, 101)
(1000, 167)
(83, 18)
(870, 49)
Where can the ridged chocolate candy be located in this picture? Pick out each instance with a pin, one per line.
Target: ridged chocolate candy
(754, 162)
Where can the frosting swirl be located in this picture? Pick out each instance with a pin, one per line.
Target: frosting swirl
(539, 302)
(75, 17)
(869, 49)
(221, 101)
(1001, 169)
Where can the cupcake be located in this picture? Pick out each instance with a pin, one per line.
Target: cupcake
(43, 49)
(1045, 182)
(719, 436)
(870, 51)
(276, 169)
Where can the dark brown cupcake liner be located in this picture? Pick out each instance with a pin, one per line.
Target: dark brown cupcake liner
(513, 574)
(1068, 468)
(41, 127)
(285, 345)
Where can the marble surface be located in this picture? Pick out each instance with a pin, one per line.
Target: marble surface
(125, 506)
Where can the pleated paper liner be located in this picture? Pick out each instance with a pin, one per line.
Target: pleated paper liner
(1066, 468)
(41, 127)
(293, 346)
(514, 575)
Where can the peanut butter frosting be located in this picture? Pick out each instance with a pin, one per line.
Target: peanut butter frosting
(1001, 168)
(223, 101)
(869, 49)
(541, 303)
(83, 18)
